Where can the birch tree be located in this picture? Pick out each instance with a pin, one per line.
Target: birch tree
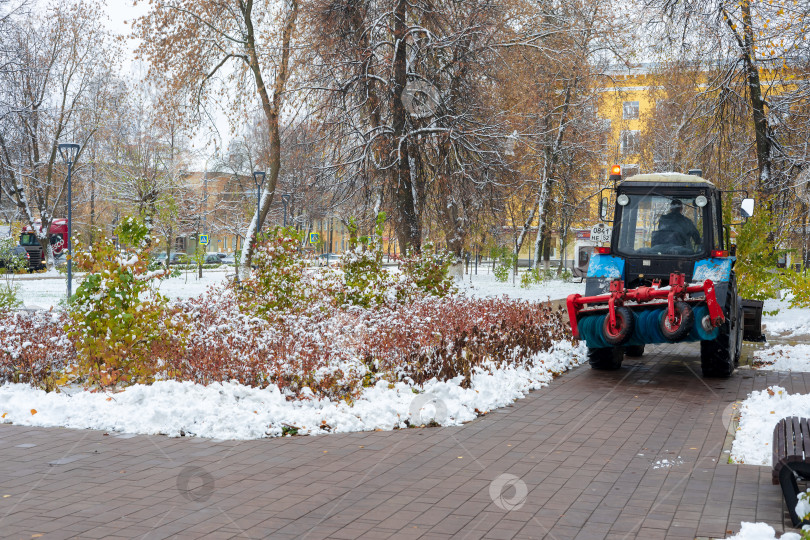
(239, 51)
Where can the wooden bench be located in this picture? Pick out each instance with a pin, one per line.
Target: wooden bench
(791, 460)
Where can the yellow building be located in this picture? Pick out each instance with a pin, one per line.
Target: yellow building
(622, 107)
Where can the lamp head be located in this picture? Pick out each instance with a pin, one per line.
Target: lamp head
(69, 152)
(258, 178)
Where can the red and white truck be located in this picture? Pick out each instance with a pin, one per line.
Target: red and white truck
(30, 241)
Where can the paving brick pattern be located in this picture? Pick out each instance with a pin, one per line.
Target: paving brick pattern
(586, 451)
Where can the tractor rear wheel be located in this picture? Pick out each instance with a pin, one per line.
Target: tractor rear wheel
(636, 351)
(607, 358)
(719, 356)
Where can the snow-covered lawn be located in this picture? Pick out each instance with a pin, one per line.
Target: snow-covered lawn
(47, 290)
(485, 285)
(235, 411)
(788, 322)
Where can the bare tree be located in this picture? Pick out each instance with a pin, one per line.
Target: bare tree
(62, 56)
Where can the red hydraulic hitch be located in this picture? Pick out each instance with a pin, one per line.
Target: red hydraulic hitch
(618, 295)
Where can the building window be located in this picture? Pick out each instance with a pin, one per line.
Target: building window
(629, 142)
(630, 110)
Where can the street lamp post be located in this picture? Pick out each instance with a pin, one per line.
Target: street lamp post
(258, 179)
(284, 198)
(69, 153)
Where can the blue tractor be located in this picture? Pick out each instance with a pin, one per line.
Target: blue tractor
(666, 275)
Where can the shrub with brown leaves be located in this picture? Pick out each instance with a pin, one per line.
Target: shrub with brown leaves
(34, 348)
(332, 353)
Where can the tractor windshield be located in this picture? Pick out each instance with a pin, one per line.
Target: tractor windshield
(661, 225)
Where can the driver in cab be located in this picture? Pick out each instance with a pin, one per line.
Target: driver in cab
(675, 228)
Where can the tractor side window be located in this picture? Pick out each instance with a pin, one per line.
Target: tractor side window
(661, 225)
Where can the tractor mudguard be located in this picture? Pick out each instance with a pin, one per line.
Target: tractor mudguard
(716, 269)
(719, 271)
(602, 269)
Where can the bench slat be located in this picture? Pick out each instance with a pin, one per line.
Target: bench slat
(805, 430)
(779, 448)
(795, 438)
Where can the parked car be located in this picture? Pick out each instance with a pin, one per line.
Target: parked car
(174, 258)
(213, 258)
(328, 258)
(14, 252)
(229, 259)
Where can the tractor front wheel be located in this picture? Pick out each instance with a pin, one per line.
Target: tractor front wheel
(607, 358)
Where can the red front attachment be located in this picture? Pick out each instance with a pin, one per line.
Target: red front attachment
(618, 295)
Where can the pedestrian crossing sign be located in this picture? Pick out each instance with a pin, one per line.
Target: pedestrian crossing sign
(203, 239)
(314, 237)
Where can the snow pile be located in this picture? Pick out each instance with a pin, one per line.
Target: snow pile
(760, 531)
(234, 411)
(759, 414)
(783, 358)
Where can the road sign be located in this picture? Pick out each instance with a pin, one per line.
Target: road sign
(204, 239)
(601, 232)
(314, 237)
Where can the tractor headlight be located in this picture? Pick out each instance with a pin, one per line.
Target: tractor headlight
(701, 201)
(623, 199)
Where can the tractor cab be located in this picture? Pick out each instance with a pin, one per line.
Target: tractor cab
(665, 223)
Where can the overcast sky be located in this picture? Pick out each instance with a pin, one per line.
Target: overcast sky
(119, 17)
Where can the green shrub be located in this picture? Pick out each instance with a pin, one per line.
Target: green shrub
(279, 281)
(429, 271)
(530, 277)
(757, 257)
(117, 320)
(12, 265)
(505, 261)
(365, 282)
(9, 296)
(799, 285)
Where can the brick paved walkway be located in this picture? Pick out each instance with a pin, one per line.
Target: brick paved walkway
(585, 449)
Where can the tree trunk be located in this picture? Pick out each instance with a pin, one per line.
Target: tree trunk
(408, 230)
(271, 109)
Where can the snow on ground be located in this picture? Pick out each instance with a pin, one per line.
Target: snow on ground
(761, 531)
(783, 358)
(234, 411)
(47, 290)
(484, 284)
(759, 414)
(788, 322)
